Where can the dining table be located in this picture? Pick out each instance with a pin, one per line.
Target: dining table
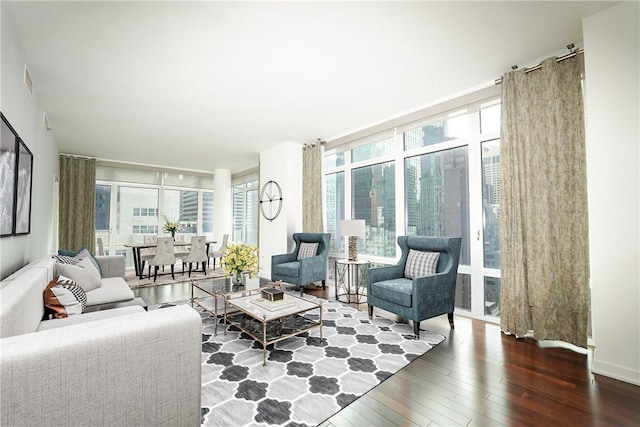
(136, 247)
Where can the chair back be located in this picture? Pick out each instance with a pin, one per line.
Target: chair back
(150, 239)
(164, 252)
(100, 246)
(198, 252)
(225, 242)
(448, 247)
(321, 238)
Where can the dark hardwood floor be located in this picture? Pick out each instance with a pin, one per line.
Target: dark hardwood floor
(479, 376)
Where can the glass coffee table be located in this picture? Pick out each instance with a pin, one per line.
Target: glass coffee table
(211, 295)
(266, 321)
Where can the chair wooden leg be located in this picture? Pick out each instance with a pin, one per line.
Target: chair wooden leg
(190, 266)
(324, 284)
(450, 316)
(416, 329)
(155, 273)
(172, 275)
(204, 270)
(370, 307)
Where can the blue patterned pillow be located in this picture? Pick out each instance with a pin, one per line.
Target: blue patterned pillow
(421, 264)
(307, 250)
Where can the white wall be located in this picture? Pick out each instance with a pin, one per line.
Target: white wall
(611, 42)
(25, 115)
(222, 208)
(283, 164)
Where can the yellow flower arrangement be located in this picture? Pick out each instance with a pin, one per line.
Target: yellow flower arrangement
(240, 258)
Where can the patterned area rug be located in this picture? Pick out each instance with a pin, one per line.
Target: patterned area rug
(306, 380)
(165, 278)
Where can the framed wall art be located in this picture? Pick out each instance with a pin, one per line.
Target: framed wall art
(23, 189)
(16, 176)
(8, 144)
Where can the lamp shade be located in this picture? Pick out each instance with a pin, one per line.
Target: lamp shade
(352, 227)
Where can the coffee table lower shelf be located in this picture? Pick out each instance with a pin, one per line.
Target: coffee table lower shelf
(270, 330)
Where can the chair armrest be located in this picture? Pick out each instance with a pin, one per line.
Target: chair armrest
(378, 274)
(314, 266)
(282, 258)
(111, 265)
(137, 369)
(435, 293)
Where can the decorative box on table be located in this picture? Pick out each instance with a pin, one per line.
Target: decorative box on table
(272, 294)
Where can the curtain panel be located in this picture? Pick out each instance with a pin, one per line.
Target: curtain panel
(312, 209)
(77, 203)
(543, 207)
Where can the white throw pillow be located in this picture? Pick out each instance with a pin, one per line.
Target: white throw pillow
(421, 264)
(84, 274)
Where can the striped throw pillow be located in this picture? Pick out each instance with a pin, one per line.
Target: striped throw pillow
(421, 264)
(64, 297)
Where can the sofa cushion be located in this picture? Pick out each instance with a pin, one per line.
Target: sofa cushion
(420, 264)
(289, 269)
(113, 289)
(64, 297)
(88, 317)
(83, 273)
(397, 291)
(307, 250)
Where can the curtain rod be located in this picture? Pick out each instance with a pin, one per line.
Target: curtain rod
(537, 67)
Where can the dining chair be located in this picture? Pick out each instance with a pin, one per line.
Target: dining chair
(164, 256)
(146, 254)
(181, 250)
(197, 253)
(220, 252)
(100, 246)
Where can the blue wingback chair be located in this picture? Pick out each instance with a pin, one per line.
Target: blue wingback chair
(302, 271)
(418, 298)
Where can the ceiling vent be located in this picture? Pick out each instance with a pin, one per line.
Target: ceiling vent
(27, 80)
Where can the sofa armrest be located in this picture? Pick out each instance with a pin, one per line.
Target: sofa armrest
(112, 265)
(137, 369)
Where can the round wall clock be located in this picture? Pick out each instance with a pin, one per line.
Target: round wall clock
(270, 200)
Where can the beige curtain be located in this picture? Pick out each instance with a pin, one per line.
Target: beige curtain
(312, 213)
(77, 203)
(543, 206)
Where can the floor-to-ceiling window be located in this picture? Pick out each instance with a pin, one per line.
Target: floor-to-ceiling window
(245, 212)
(131, 203)
(434, 176)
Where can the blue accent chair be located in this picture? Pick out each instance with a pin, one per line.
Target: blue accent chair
(419, 298)
(289, 269)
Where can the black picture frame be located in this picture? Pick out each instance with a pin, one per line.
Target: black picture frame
(24, 183)
(8, 177)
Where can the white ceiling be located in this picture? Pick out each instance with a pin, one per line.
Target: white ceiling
(206, 85)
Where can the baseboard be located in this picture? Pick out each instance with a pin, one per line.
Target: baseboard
(616, 372)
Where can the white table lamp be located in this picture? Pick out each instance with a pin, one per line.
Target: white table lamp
(353, 228)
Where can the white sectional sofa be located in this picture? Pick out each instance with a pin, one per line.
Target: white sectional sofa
(112, 366)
